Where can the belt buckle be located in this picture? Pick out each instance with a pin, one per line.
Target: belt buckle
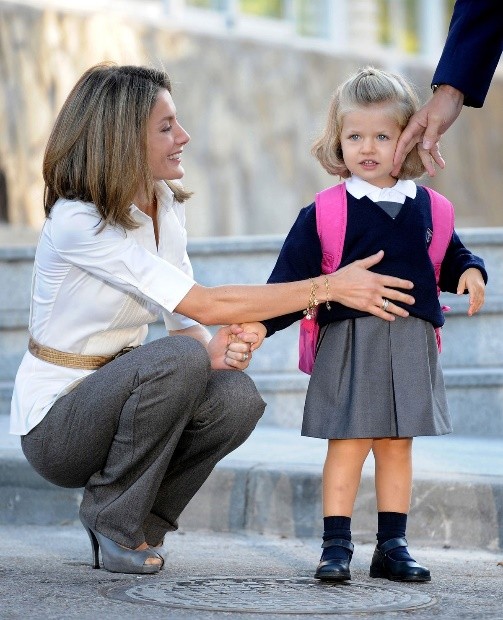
(123, 352)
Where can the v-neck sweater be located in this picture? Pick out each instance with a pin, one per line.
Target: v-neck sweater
(405, 241)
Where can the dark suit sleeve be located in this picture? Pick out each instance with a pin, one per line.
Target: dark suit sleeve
(457, 260)
(299, 259)
(472, 49)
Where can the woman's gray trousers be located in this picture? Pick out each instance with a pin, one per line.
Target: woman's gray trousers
(142, 434)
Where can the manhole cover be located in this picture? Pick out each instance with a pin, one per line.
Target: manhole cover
(271, 596)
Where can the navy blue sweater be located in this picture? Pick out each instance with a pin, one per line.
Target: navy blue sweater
(405, 241)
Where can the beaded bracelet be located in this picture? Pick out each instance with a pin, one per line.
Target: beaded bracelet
(327, 292)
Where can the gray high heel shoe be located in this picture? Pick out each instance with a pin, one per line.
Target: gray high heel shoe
(161, 550)
(117, 559)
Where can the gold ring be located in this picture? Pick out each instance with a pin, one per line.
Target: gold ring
(245, 357)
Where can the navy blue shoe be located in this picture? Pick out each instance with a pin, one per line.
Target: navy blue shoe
(385, 567)
(336, 569)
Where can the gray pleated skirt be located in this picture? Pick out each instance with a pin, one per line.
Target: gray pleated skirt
(374, 378)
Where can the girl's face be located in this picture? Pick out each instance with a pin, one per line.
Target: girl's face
(165, 139)
(368, 140)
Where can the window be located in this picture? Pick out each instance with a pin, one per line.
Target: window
(312, 18)
(399, 24)
(263, 8)
(216, 5)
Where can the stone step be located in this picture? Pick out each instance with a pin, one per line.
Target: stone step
(272, 485)
(231, 259)
(475, 341)
(467, 341)
(5, 397)
(16, 265)
(475, 399)
(472, 354)
(487, 243)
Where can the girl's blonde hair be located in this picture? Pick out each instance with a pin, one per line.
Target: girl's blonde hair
(97, 151)
(367, 87)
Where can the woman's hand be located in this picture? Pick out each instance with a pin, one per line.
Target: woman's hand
(473, 282)
(353, 286)
(357, 287)
(230, 348)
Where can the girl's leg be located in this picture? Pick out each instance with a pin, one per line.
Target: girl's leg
(341, 479)
(393, 473)
(342, 473)
(393, 480)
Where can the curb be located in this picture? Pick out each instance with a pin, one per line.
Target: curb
(452, 510)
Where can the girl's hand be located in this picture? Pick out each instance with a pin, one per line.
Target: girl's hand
(227, 351)
(254, 328)
(473, 282)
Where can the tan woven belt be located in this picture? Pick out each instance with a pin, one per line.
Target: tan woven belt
(69, 360)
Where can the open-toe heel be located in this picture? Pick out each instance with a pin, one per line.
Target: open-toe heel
(117, 559)
(161, 550)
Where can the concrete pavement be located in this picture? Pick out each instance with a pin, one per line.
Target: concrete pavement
(249, 541)
(46, 574)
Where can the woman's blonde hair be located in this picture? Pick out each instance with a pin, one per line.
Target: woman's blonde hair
(367, 87)
(97, 150)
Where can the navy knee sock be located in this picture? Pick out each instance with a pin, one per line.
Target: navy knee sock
(392, 525)
(336, 527)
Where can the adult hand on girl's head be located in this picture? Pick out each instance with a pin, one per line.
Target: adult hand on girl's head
(473, 282)
(427, 126)
(357, 287)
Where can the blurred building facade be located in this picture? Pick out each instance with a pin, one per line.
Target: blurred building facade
(412, 26)
(252, 84)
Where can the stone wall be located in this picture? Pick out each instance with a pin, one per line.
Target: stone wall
(252, 107)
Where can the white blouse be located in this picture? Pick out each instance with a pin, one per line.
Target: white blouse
(94, 293)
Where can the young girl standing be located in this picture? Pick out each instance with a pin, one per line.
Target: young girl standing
(376, 383)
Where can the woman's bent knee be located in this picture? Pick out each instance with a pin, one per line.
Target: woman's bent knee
(184, 352)
(243, 403)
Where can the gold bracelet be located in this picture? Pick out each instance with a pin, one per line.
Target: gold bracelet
(327, 291)
(313, 302)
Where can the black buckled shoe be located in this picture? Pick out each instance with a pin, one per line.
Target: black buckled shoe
(335, 570)
(396, 570)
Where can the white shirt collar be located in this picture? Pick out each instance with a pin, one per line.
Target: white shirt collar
(165, 197)
(358, 188)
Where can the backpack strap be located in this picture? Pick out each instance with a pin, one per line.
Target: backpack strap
(331, 220)
(442, 215)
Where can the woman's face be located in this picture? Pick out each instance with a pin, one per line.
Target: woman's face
(165, 139)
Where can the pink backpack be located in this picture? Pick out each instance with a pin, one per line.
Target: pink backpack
(331, 220)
